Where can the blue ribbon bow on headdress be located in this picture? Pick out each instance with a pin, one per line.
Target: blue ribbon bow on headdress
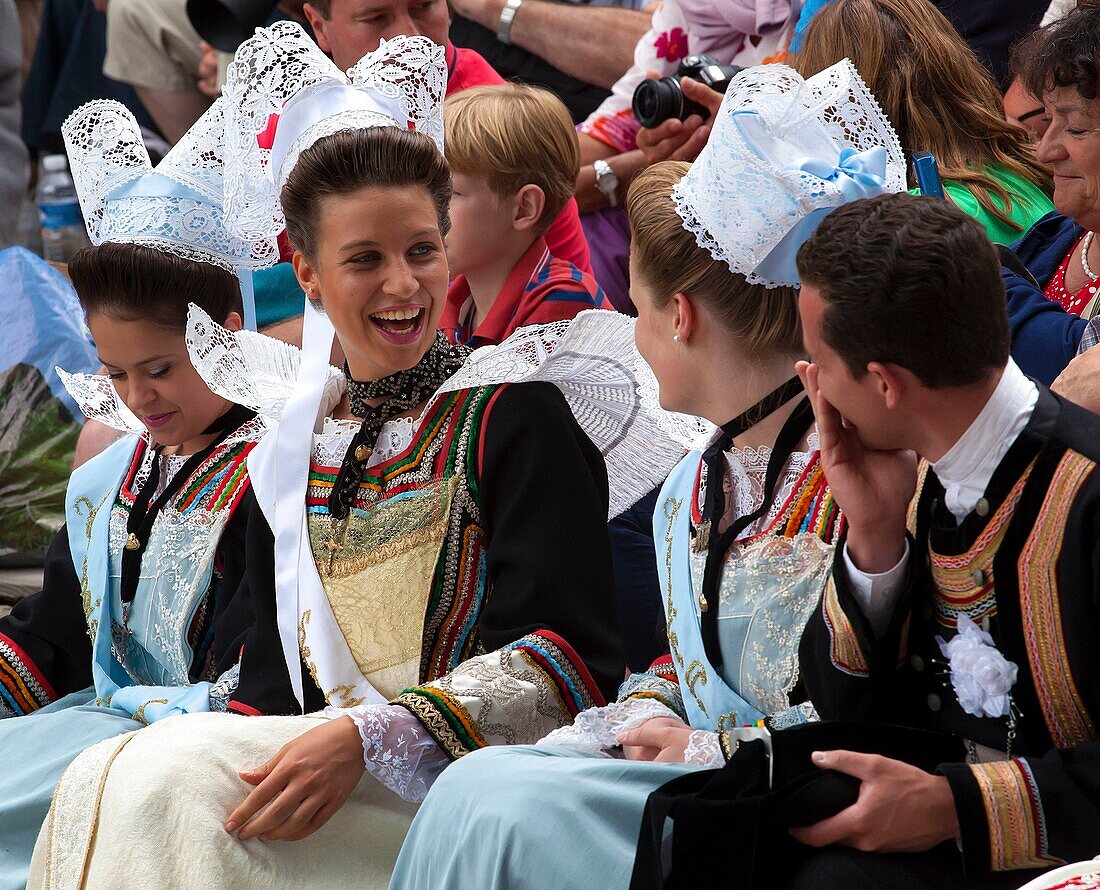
(855, 174)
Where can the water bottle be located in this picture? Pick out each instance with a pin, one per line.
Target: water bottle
(63, 231)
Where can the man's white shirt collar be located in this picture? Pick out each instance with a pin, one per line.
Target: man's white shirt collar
(965, 470)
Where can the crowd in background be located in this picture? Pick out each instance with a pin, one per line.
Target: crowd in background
(514, 259)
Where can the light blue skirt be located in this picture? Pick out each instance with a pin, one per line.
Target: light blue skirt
(528, 817)
(35, 750)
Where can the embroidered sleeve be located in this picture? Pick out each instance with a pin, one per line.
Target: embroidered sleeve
(1001, 816)
(659, 683)
(396, 749)
(222, 691)
(45, 649)
(845, 649)
(847, 668)
(512, 696)
(22, 687)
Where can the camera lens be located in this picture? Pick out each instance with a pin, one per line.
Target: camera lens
(655, 101)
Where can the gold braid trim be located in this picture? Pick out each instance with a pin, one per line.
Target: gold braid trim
(1067, 718)
(845, 652)
(435, 723)
(1014, 813)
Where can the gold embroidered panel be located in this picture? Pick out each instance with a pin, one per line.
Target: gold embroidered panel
(379, 576)
(1067, 717)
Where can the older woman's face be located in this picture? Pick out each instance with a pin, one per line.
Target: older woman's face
(380, 272)
(1071, 147)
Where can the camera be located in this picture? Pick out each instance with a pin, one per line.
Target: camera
(655, 101)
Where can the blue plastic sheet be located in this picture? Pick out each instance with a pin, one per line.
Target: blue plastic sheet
(41, 327)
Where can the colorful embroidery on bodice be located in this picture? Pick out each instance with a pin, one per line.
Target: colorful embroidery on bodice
(219, 482)
(963, 584)
(809, 509)
(185, 535)
(769, 588)
(413, 545)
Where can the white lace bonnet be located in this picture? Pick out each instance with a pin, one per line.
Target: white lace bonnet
(280, 73)
(175, 208)
(783, 153)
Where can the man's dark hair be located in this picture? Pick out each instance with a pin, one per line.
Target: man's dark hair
(1065, 54)
(913, 282)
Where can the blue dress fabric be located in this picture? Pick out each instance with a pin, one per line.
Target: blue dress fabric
(550, 816)
(1044, 336)
(527, 816)
(143, 655)
(44, 743)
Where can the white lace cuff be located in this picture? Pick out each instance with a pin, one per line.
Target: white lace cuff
(396, 749)
(597, 729)
(704, 749)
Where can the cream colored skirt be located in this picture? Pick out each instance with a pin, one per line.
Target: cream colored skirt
(146, 809)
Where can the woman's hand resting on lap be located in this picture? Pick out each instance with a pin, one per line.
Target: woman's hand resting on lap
(298, 790)
(663, 739)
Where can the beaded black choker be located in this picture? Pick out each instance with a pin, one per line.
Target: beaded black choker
(401, 391)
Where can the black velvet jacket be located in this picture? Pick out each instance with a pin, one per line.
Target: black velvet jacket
(1026, 563)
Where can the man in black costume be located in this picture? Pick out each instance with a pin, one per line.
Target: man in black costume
(971, 608)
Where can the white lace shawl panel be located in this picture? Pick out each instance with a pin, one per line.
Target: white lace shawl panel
(96, 397)
(597, 730)
(250, 369)
(592, 359)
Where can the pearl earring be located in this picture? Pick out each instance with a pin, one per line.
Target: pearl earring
(676, 338)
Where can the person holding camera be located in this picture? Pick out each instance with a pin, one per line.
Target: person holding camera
(615, 146)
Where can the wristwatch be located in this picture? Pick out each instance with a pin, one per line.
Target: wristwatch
(607, 182)
(507, 16)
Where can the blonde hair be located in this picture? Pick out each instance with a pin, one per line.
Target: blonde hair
(937, 94)
(668, 259)
(514, 135)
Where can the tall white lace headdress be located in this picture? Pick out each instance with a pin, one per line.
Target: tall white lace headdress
(283, 94)
(175, 207)
(782, 154)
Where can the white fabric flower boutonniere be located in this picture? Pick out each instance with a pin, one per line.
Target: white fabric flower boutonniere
(981, 675)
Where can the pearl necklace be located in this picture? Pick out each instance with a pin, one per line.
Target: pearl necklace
(1086, 243)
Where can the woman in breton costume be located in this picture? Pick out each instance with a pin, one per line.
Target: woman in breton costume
(744, 528)
(441, 575)
(138, 617)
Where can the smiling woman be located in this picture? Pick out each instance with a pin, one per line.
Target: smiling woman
(138, 327)
(137, 618)
(437, 568)
(367, 210)
(1064, 69)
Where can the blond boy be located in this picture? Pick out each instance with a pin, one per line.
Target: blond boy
(514, 156)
